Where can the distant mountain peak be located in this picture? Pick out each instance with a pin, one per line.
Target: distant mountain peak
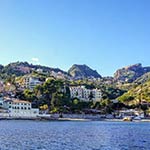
(130, 73)
(83, 71)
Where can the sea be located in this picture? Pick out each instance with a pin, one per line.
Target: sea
(74, 135)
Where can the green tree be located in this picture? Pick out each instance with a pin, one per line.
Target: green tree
(29, 95)
(126, 98)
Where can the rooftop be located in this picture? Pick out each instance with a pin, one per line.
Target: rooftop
(16, 101)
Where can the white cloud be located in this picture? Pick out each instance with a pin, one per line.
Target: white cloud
(34, 59)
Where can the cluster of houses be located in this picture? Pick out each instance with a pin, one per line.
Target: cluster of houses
(80, 92)
(11, 107)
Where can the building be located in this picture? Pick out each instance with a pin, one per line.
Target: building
(58, 75)
(39, 70)
(31, 82)
(20, 108)
(85, 94)
(97, 93)
(131, 112)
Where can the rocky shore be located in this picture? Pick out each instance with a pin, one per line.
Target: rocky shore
(69, 117)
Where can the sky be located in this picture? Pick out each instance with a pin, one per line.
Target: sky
(104, 34)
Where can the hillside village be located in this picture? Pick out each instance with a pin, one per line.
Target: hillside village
(29, 90)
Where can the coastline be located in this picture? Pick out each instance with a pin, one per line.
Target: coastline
(68, 119)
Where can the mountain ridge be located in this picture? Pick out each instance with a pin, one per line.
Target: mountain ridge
(22, 68)
(127, 74)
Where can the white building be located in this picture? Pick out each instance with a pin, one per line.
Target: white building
(131, 112)
(58, 75)
(97, 93)
(39, 70)
(31, 82)
(84, 94)
(20, 108)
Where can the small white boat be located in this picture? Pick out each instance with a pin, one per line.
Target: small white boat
(137, 118)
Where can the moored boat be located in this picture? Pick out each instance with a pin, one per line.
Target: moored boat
(137, 118)
(127, 119)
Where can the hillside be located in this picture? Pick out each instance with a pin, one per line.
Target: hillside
(130, 73)
(138, 93)
(83, 71)
(144, 78)
(133, 79)
(23, 68)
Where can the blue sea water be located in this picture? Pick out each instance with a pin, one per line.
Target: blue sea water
(67, 135)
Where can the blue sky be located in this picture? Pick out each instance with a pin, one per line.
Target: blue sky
(105, 35)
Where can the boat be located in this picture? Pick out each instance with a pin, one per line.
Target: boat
(137, 118)
(127, 118)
